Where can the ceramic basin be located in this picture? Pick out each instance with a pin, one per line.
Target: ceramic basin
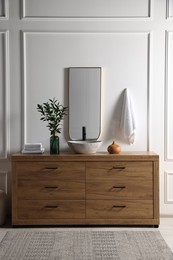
(88, 146)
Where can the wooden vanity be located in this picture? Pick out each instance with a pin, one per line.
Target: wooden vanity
(85, 189)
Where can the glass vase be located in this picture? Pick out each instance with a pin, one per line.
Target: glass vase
(54, 144)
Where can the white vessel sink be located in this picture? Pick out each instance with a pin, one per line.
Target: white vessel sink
(88, 146)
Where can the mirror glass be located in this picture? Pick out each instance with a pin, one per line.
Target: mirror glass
(84, 103)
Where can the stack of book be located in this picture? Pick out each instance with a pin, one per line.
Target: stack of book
(33, 148)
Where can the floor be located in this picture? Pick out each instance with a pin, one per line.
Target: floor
(165, 228)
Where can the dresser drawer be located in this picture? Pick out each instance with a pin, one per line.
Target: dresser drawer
(52, 170)
(55, 209)
(108, 170)
(130, 188)
(85, 189)
(119, 209)
(51, 189)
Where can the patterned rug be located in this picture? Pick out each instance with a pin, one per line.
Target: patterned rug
(84, 245)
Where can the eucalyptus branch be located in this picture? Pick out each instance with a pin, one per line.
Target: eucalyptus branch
(53, 112)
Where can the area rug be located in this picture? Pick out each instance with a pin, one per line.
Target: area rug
(84, 245)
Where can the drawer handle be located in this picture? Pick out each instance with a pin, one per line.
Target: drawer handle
(50, 207)
(51, 168)
(119, 187)
(118, 168)
(51, 187)
(116, 206)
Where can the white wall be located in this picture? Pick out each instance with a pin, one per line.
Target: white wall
(132, 40)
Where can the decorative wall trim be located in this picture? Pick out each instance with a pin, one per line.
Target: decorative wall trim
(6, 95)
(166, 109)
(148, 91)
(168, 15)
(166, 100)
(48, 17)
(168, 198)
(167, 9)
(24, 81)
(3, 181)
(23, 57)
(6, 10)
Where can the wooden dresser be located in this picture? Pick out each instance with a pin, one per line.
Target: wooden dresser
(85, 189)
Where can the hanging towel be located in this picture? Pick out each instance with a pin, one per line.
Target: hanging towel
(127, 121)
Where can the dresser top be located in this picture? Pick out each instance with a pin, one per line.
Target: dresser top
(100, 156)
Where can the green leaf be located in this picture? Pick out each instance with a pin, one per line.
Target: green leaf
(53, 112)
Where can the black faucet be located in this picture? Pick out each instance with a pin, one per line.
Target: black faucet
(83, 133)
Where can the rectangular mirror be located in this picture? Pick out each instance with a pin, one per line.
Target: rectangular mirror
(84, 103)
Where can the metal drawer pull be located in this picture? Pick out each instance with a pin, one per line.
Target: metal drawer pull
(119, 187)
(51, 168)
(51, 187)
(118, 167)
(50, 207)
(118, 206)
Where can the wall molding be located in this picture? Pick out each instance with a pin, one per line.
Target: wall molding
(24, 16)
(167, 157)
(148, 90)
(166, 100)
(6, 91)
(6, 10)
(167, 199)
(168, 16)
(167, 9)
(24, 74)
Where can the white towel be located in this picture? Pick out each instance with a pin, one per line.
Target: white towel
(127, 122)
